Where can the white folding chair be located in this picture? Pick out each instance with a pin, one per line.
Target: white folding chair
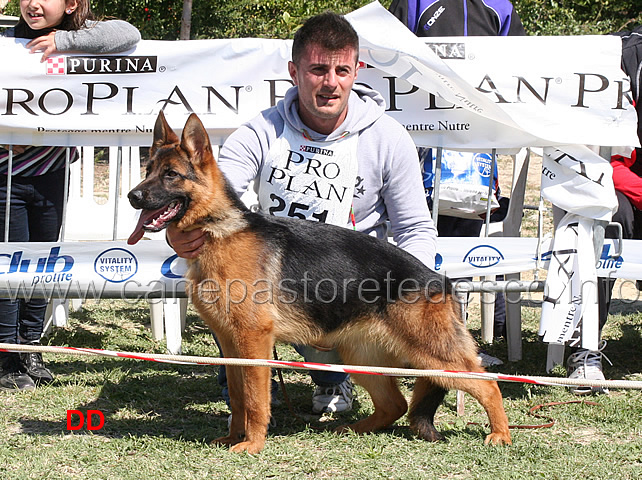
(509, 227)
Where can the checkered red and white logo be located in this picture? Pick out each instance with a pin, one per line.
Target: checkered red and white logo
(56, 66)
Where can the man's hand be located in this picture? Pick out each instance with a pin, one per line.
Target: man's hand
(45, 44)
(186, 244)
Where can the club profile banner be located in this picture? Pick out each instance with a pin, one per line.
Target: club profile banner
(91, 270)
(151, 269)
(456, 92)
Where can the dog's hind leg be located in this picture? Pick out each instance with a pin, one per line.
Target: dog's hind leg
(445, 343)
(389, 404)
(487, 393)
(426, 398)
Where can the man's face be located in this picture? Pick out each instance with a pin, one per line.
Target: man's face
(325, 79)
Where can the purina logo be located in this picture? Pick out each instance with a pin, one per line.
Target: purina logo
(56, 66)
(449, 50)
(97, 65)
(483, 256)
(316, 150)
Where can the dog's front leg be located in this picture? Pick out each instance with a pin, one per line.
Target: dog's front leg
(236, 432)
(249, 389)
(256, 386)
(237, 406)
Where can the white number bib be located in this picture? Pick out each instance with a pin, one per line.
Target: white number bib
(310, 180)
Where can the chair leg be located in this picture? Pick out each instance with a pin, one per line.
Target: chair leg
(60, 312)
(76, 304)
(156, 315)
(487, 300)
(173, 323)
(183, 311)
(554, 356)
(514, 321)
(461, 399)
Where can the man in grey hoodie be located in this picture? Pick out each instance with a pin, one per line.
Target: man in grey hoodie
(328, 152)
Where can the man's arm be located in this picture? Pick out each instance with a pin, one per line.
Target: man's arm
(405, 200)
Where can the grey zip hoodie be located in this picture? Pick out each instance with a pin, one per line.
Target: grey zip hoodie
(389, 185)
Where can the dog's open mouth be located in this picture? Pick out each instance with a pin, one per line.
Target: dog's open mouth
(154, 220)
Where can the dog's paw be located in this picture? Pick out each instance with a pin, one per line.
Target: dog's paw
(342, 429)
(227, 441)
(249, 447)
(498, 439)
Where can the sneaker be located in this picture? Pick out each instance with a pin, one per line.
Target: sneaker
(12, 375)
(34, 366)
(335, 398)
(488, 360)
(587, 364)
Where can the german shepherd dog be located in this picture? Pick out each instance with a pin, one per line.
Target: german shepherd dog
(262, 279)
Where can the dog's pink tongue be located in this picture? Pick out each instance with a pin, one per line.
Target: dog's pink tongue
(139, 231)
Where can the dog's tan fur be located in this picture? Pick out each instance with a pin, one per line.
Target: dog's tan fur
(252, 314)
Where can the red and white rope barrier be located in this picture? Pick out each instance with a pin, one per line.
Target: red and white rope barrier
(354, 369)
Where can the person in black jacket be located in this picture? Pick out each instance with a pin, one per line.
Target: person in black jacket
(442, 18)
(458, 18)
(632, 65)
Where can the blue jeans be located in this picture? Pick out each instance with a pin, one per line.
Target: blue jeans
(319, 377)
(35, 216)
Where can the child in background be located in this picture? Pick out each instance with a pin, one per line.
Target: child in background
(37, 181)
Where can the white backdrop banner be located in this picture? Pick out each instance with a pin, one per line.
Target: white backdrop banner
(457, 92)
(151, 269)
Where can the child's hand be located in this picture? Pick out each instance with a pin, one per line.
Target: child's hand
(45, 44)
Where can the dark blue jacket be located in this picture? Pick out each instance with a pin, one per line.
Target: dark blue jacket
(632, 65)
(462, 18)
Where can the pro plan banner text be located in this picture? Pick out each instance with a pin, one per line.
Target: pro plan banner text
(462, 93)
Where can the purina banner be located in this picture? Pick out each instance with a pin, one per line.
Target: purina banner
(151, 269)
(457, 92)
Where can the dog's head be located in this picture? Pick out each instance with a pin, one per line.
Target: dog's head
(177, 176)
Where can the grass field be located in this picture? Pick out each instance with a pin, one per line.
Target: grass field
(160, 418)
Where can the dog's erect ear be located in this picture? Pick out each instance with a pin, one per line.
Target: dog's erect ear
(163, 134)
(195, 140)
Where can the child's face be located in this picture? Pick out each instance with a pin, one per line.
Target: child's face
(41, 14)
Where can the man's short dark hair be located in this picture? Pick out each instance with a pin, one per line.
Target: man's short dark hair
(328, 30)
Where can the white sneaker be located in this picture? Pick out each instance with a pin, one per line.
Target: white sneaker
(587, 364)
(336, 398)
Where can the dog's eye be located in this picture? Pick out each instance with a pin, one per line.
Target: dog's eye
(171, 173)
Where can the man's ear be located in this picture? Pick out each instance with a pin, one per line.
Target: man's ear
(292, 70)
(195, 140)
(163, 134)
